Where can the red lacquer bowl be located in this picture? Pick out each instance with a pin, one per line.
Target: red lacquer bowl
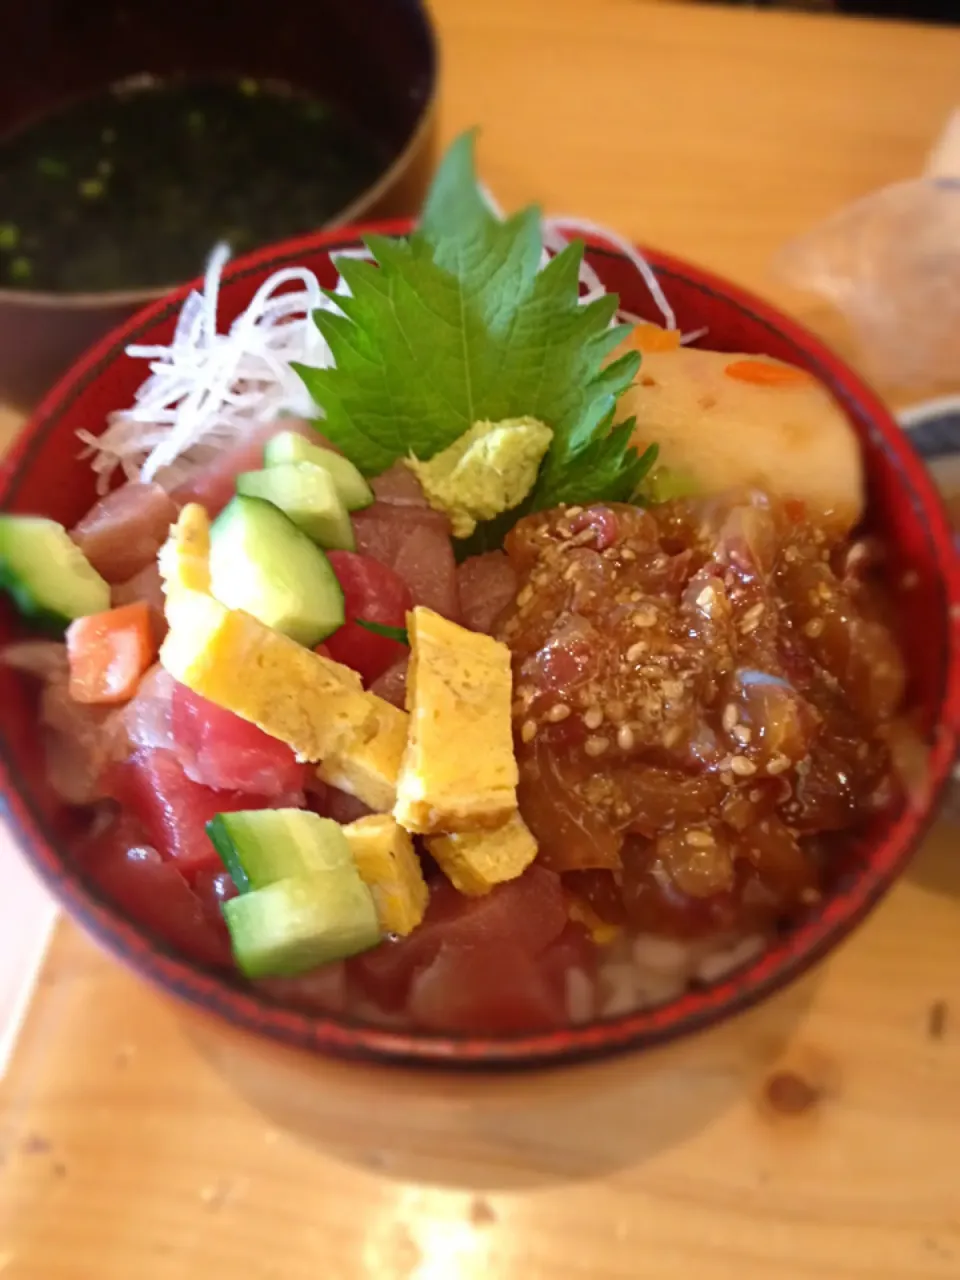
(43, 474)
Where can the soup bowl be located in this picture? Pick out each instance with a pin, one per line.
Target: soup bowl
(375, 59)
(43, 474)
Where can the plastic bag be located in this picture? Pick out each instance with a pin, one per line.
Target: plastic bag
(891, 264)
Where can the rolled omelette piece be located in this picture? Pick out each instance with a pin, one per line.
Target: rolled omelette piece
(731, 421)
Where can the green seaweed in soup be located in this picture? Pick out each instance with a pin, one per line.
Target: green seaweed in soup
(133, 186)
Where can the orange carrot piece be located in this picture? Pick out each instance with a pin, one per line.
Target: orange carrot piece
(653, 337)
(764, 374)
(109, 652)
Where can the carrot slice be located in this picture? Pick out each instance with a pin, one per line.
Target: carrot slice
(651, 337)
(109, 652)
(764, 374)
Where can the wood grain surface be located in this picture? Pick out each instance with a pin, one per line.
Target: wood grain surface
(817, 1138)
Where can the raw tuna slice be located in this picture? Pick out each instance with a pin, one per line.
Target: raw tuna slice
(330, 802)
(214, 485)
(392, 685)
(415, 542)
(147, 718)
(122, 532)
(173, 810)
(147, 585)
(81, 740)
(322, 990)
(528, 913)
(131, 873)
(375, 593)
(218, 749)
(487, 584)
(485, 990)
(399, 486)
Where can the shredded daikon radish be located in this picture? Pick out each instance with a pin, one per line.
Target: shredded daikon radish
(207, 390)
(564, 224)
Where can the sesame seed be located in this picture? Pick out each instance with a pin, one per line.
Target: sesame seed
(755, 795)
(742, 767)
(525, 596)
(742, 733)
(700, 839)
(726, 777)
(627, 554)
(615, 709)
(559, 711)
(528, 731)
(636, 651)
(778, 764)
(645, 617)
(593, 717)
(672, 735)
(621, 809)
(625, 738)
(814, 628)
(571, 571)
(519, 707)
(706, 597)
(751, 619)
(573, 511)
(596, 746)
(730, 716)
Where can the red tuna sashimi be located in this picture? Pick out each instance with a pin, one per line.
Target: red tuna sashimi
(173, 810)
(485, 990)
(528, 913)
(392, 685)
(415, 542)
(218, 749)
(81, 740)
(214, 485)
(147, 718)
(399, 486)
(214, 888)
(122, 532)
(375, 593)
(322, 990)
(487, 584)
(147, 585)
(131, 873)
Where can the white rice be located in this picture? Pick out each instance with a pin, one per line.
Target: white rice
(648, 970)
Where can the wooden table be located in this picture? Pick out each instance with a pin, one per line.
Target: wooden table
(815, 1139)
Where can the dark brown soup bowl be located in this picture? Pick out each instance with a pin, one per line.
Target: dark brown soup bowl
(376, 59)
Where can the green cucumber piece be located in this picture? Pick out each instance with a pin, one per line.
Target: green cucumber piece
(288, 446)
(262, 563)
(295, 925)
(261, 846)
(308, 495)
(50, 579)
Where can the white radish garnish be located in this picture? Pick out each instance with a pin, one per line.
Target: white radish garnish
(208, 390)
